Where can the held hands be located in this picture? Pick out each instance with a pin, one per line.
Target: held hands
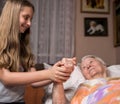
(69, 62)
(61, 71)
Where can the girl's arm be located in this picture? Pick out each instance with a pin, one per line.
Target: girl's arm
(55, 73)
(65, 61)
(40, 83)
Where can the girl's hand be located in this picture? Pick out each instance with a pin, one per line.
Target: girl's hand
(60, 72)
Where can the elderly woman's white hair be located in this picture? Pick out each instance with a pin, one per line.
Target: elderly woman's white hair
(95, 57)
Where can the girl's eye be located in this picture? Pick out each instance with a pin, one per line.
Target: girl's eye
(26, 17)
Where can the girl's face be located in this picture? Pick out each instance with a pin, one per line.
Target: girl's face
(92, 68)
(25, 19)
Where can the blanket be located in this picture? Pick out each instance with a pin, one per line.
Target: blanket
(98, 91)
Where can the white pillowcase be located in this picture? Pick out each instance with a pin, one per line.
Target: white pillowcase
(114, 70)
(47, 66)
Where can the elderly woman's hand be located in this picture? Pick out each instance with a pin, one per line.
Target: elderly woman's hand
(69, 60)
(69, 63)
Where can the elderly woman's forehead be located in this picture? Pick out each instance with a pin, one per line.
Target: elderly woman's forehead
(89, 58)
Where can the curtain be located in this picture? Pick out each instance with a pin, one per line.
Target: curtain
(53, 30)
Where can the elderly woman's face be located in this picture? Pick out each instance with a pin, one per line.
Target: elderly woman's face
(92, 68)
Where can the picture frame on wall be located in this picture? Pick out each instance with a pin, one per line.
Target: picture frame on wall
(95, 6)
(95, 26)
(116, 20)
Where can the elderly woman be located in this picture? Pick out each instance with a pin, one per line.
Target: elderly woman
(97, 89)
(93, 67)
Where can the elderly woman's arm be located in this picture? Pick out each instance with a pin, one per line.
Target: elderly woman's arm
(58, 96)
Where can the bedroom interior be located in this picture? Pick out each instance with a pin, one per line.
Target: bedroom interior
(89, 45)
(102, 46)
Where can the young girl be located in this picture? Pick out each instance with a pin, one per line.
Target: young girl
(16, 59)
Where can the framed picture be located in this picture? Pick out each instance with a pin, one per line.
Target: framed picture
(95, 6)
(95, 26)
(116, 14)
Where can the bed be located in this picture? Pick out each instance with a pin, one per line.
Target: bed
(96, 91)
(100, 90)
(34, 96)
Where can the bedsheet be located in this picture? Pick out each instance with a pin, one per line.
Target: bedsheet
(98, 91)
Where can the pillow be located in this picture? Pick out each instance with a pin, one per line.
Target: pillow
(47, 66)
(114, 70)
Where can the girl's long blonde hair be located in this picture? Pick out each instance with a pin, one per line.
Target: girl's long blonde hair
(14, 47)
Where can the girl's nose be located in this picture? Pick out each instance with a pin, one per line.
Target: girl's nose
(29, 23)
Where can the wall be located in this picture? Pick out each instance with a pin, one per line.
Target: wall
(100, 46)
